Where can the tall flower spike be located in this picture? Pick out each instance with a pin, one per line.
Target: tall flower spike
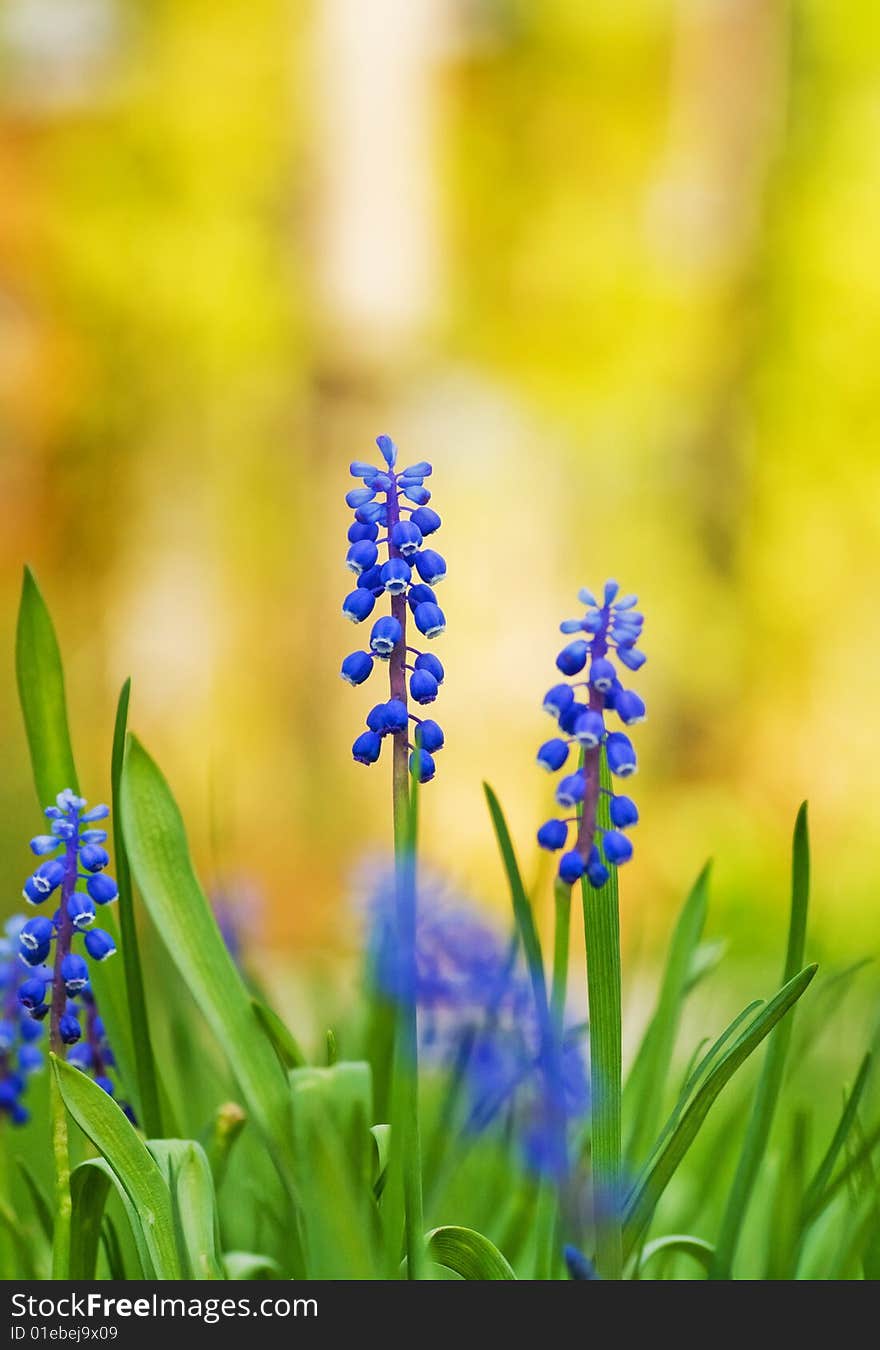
(581, 709)
(45, 943)
(391, 513)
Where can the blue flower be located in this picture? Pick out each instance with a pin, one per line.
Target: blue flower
(395, 499)
(579, 1267)
(56, 973)
(91, 1052)
(359, 605)
(429, 736)
(430, 619)
(357, 667)
(385, 636)
(553, 754)
(610, 627)
(423, 686)
(20, 991)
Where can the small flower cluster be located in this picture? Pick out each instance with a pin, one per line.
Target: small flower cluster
(478, 1019)
(83, 859)
(395, 502)
(609, 623)
(19, 1055)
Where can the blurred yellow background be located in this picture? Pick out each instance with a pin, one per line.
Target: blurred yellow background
(612, 267)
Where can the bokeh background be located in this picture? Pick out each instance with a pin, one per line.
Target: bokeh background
(612, 267)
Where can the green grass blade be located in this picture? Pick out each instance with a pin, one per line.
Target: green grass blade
(696, 1247)
(41, 691)
(160, 861)
(785, 1210)
(694, 1076)
(113, 1249)
(468, 1253)
(89, 1199)
(602, 936)
(643, 1095)
(187, 1173)
(285, 1044)
(522, 909)
(102, 1121)
(149, 1113)
(847, 1120)
(44, 708)
(770, 1081)
(90, 1186)
(641, 1207)
(860, 1155)
(528, 934)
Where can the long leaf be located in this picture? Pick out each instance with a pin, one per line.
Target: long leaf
(250, 1266)
(847, 1120)
(90, 1185)
(468, 1253)
(41, 691)
(150, 1114)
(692, 1080)
(44, 709)
(860, 1155)
(683, 1243)
(641, 1208)
(522, 909)
(115, 1138)
(285, 1044)
(162, 867)
(770, 1082)
(643, 1096)
(38, 1199)
(187, 1173)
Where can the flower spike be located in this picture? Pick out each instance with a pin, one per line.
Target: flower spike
(395, 499)
(610, 627)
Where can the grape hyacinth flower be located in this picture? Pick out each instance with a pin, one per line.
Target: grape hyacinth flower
(581, 709)
(57, 974)
(395, 502)
(19, 1055)
(479, 1021)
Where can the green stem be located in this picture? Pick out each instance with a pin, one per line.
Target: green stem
(63, 1206)
(406, 1057)
(545, 1229)
(562, 899)
(602, 934)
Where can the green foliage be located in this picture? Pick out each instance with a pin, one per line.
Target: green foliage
(304, 1178)
(469, 1254)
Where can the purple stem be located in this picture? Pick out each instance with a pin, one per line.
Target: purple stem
(64, 937)
(587, 828)
(397, 666)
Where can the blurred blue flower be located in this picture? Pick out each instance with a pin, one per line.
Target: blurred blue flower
(477, 1017)
(19, 1055)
